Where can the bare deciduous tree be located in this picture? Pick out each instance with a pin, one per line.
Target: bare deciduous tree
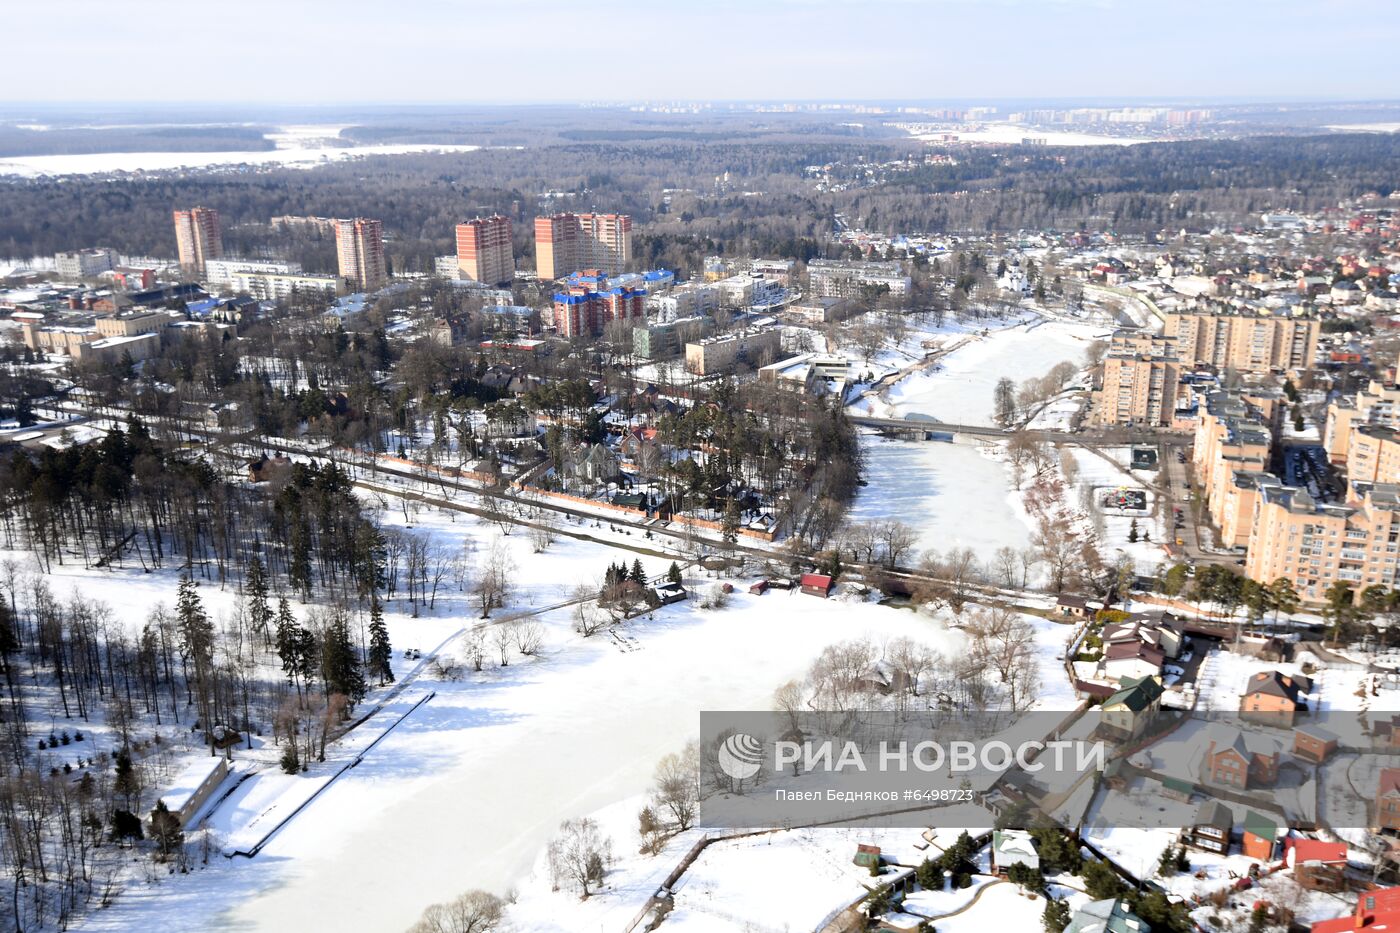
(578, 856)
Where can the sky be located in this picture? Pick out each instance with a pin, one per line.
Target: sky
(508, 51)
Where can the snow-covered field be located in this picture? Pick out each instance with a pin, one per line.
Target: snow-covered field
(959, 389)
(1366, 127)
(1101, 475)
(938, 489)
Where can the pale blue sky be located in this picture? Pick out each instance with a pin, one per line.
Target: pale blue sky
(333, 51)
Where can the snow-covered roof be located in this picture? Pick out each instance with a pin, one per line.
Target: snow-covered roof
(188, 782)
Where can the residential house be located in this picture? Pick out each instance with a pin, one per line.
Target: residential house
(1313, 744)
(1317, 865)
(668, 592)
(1260, 837)
(1010, 846)
(1130, 659)
(817, 584)
(1275, 697)
(1160, 630)
(265, 469)
(1212, 829)
(1377, 911)
(1240, 760)
(1073, 607)
(592, 464)
(1127, 713)
(1388, 799)
(1107, 916)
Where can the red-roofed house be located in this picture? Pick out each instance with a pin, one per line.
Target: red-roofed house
(817, 584)
(1317, 865)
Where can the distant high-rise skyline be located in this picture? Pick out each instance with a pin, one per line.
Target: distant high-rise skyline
(359, 249)
(198, 237)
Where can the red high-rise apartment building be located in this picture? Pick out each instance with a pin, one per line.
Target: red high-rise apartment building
(585, 314)
(359, 248)
(198, 237)
(566, 243)
(484, 252)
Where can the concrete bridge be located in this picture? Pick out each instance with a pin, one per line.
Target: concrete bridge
(928, 429)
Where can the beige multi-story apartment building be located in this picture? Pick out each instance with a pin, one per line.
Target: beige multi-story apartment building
(1378, 403)
(359, 248)
(1251, 343)
(484, 250)
(1234, 440)
(567, 242)
(1139, 385)
(1316, 545)
(198, 238)
(1373, 455)
(757, 347)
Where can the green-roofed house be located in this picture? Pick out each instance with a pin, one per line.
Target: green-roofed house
(1107, 916)
(1129, 711)
(1260, 836)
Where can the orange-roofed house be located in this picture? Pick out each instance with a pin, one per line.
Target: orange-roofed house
(1376, 912)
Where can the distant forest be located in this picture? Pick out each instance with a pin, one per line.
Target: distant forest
(16, 141)
(770, 207)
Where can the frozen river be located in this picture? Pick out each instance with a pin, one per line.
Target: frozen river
(960, 388)
(951, 494)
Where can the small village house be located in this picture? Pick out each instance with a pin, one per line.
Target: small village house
(817, 584)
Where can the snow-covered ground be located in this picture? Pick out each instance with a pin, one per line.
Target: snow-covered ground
(959, 389)
(937, 489)
(1103, 476)
(466, 792)
(1366, 127)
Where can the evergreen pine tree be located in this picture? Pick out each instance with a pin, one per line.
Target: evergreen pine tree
(674, 573)
(196, 632)
(287, 640)
(1056, 916)
(291, 761)
(165, 830)
(259, 612)
(729, 524)
(340, 664)
(380, 651)
(637, 575)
